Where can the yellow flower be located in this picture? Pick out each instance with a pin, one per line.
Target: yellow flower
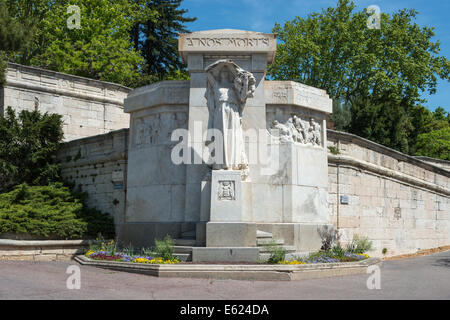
(291, 262)
(90, 252)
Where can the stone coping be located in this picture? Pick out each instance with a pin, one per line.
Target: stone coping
(161, 93)
(291, 93)
(383, 171)
(257, 272)
(333, 136)
(42, 243)
(17, 66)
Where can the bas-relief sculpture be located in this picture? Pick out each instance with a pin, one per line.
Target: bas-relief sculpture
(226, 191)
(296, 130)
(228, 89)
(157, 129)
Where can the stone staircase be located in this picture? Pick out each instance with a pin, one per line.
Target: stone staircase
(183, 246)
(265, 238)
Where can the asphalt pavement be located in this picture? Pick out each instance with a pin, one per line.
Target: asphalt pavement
(426, 277)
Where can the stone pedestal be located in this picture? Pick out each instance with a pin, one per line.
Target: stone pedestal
(226, 196)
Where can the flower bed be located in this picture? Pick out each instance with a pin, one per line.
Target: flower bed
(325, 258)
(121, 257)
(313, 259)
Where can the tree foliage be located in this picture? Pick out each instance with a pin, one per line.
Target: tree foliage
(381, 73)
(131, 42)
(433, 140)
(13, 34)
(28, 147)
(156, 39)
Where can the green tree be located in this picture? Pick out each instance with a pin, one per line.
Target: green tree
(433, 140)
(101, 49)
(341, 116)
(157, 40)
(435, 144)
(131, 42)
(28, 147)
(379, 73)
(12, 36)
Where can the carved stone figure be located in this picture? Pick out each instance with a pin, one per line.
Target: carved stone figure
(316, 132)
(298, 131)
(226, 190)
(301, 130)
(285, 135)
(228, 89)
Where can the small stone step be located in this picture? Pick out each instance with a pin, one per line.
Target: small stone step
(266, 241)
(185, 242)
(183, 257)
(263, 235)
(182, 249)
(189, 235)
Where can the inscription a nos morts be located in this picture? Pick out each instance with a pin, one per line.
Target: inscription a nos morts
(228, 42)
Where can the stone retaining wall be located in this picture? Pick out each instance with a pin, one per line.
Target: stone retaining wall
(89, 107)
(401, 203)
(98, 166)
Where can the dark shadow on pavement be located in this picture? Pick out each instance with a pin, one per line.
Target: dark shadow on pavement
(444, 262)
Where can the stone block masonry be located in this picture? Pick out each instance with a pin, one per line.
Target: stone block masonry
(98, 166)
(401, 203)
(89, 107)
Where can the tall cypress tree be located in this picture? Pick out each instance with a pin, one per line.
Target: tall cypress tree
(156, 39)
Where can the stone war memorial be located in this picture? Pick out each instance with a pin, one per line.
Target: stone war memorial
(227, 160)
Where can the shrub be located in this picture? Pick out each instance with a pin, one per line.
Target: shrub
(329, 237)
(338, 251)
(359, 245)
(28, 147)
(277, 253)
(164, 248)
(51, 212)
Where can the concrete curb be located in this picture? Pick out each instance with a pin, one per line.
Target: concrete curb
(238, 272)
(43, 243)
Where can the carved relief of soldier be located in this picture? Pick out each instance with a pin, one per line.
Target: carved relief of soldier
(296, 130)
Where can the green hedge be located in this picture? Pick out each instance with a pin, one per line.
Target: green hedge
(51, 212)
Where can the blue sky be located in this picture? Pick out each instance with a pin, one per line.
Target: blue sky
(261, 15)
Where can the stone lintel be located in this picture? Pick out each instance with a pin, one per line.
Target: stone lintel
(228, 42)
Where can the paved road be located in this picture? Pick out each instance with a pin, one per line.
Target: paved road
(425, 277)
